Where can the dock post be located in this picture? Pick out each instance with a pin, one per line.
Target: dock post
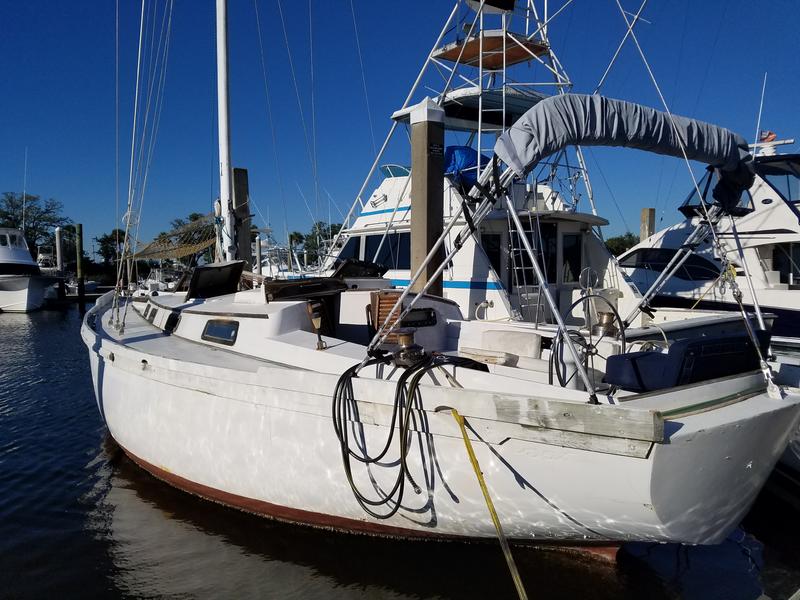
(427, 190)
(647, 227)
(59, 257)
(258, 255)
(79, 267)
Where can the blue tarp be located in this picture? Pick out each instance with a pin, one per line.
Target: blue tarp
(460, 163)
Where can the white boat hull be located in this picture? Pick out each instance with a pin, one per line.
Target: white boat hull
(21, 293)
(263, 441)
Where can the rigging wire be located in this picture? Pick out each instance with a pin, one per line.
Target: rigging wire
(700, 89)
(271, 122)
(363, 78)
(608, 187)
(148, 106)
(675, 89)
(313, 125)
(116, 132)
(297, 88)
(129, 204)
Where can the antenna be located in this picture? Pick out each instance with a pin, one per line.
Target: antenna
(24, 185)
(758, 121)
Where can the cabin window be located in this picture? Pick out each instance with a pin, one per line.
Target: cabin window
(786, 260)
(172, 322)
(395, 252)
(3, 240)
(571, 250)
(153, 314)
(221, 331)
(783, 176)
(492, 244)
(351, 249)
(146, 311)
(696, 268)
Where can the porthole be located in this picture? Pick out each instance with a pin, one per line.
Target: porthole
(221, 331)
(172, 322)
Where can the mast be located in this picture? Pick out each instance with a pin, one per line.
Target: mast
(223, 124)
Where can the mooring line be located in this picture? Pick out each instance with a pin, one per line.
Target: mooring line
(512, 566)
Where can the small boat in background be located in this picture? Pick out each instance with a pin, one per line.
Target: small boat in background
(22, 286)
(766, 225)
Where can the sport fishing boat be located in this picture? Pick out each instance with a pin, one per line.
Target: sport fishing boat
(347, 403)
(762, 237)
(480, 94)
(22, 287)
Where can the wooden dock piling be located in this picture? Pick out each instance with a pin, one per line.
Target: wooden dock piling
(79, 267)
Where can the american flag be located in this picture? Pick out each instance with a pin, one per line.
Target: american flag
(767, 136)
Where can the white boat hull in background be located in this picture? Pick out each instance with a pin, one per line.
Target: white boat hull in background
(21, 293)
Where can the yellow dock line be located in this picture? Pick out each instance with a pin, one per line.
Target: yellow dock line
(490, 505)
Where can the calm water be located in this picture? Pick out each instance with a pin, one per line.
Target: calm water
(78, 519)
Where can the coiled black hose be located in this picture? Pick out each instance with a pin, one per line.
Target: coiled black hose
(406, 397)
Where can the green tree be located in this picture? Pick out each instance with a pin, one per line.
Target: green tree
(317, 239)
(178, 223)
(109, 245)
(296, 239)
(41, 216)
(621, 243)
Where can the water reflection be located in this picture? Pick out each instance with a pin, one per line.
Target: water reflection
(165, 542)
(729, 571)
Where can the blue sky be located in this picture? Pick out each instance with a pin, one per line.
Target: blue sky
(57, 65)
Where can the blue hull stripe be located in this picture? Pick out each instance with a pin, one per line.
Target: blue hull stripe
(385, 211)
(458, 285)
(453, 285)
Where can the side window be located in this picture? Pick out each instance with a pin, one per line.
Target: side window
(404, 251)
(395, 252)
(696, 268)
(3, 240)
(351, 249)
(572, 256)
(492, 244)
(221, 331)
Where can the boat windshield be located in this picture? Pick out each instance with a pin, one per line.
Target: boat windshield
(395, 171)
(783, 176)
(692, 205)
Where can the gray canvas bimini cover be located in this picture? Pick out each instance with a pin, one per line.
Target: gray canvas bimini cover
(582, 120)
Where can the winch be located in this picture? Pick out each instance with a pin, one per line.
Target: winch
(410, 353)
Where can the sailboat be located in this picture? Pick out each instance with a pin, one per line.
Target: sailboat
(347, 403)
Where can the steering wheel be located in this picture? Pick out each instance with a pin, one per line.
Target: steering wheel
(587, 339)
